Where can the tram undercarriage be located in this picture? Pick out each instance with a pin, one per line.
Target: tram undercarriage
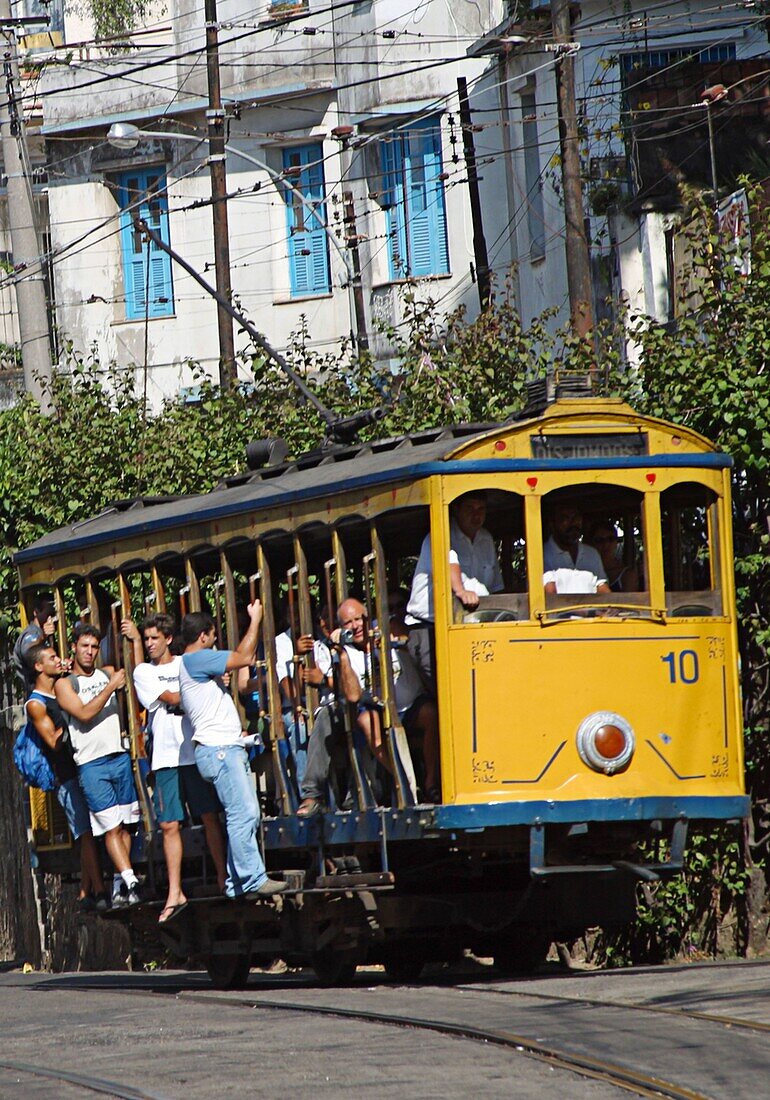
(505, 893)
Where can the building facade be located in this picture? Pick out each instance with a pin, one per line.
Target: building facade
(341, 129)
(640, 73)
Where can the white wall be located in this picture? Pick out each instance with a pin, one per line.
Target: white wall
(274, 63)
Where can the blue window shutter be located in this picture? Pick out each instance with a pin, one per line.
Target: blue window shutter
(413, 195)
(308, 247)
(393, 200)
(149, 187)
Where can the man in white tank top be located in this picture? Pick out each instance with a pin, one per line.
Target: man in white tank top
(104, 767)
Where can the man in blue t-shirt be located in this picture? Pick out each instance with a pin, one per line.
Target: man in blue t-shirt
(220, 753)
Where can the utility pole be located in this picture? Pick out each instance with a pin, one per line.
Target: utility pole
(218, 170)
(578, 256)
(479, 241)
(343, 135)
(351, 240)
(25, 243)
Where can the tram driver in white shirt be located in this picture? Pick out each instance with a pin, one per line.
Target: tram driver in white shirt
(570, 564)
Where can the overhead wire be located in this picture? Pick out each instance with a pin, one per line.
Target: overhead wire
(357, 83)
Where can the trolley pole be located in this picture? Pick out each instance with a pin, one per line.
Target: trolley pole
(578, 256)
(27, 253)
(218, 171)
(479, 240)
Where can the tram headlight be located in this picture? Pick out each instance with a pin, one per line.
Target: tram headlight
(605, 742)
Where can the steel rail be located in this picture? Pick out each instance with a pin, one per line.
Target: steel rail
(680, 1013)
(640, 1084)
(94, 1084)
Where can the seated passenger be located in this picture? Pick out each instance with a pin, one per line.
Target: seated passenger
(570, 565)
(473, 571)
(327, 749)
(620, 577)
(294, 722)
(414, 706)
(398, 601)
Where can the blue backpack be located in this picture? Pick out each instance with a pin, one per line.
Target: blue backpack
(30, 759)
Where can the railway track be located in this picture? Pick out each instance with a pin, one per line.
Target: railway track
(623, 1077)
(81, 1081)
(647, 1050)
(659, 1010)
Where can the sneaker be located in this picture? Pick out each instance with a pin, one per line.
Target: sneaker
(134, 894)
(269, 887)
(101, 903)
(120, 897)
(86, 904)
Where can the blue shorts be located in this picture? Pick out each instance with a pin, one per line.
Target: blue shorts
(70, 798)
(176, 788)
(108, 785)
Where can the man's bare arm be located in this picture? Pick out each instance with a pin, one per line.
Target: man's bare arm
(349, 682)
(130, 630)
(44, 724)
(70, 701)
(171, 698)
(247, 647)
(469, 600)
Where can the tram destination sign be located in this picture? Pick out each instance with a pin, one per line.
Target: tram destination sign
(589, 445)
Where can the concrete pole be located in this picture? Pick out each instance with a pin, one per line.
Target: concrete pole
(25, 243)
(578, 256)
(479, 240)
(216, 125)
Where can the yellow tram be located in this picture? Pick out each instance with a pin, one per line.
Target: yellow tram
(573, 726)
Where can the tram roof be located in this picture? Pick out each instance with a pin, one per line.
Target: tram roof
(317, 473)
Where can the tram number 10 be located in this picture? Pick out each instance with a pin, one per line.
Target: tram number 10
(682, 667)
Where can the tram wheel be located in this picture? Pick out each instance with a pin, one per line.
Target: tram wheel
(522, 950)
(229, 971)
(404, 964)
(334, 967)
(404, 970)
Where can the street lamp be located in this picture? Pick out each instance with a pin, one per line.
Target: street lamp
(713, 95)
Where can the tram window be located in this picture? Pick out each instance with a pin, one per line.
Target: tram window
(689, 521)
(487, 534)
(594, 542)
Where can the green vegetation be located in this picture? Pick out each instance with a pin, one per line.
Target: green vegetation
(114, 18)
(711, 373)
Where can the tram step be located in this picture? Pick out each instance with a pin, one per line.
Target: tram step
(346, 882)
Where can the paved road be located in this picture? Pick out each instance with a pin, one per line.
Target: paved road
(175, 1038)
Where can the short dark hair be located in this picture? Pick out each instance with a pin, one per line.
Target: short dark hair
(86, 630)
(194, 624)
(165, 624)
(476, 494)
(32, 656)
(43, 604)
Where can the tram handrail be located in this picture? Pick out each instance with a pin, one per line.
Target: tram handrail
(552, 616)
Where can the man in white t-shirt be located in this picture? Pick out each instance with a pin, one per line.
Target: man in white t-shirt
(220, 754)
(474, 570)
(178, 785)
(294, 721)
(104, 767)
(565, 553)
